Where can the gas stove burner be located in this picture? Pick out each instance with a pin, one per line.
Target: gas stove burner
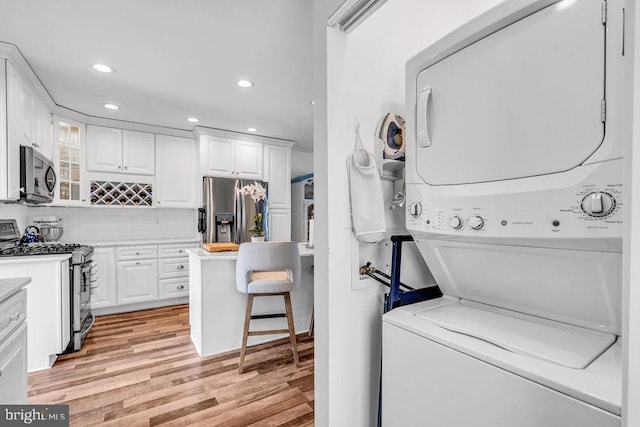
(78, 251)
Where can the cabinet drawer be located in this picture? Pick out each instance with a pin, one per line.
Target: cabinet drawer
(173, 267)
(174, 250)
(174, 288)
(13, 310)
(126, 253)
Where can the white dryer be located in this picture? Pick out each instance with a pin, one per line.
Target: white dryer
(514, 195)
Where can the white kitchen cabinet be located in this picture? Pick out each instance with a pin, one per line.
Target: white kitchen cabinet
(174, 288)
(69, 155)
(277, 162)
(103, 278)
(279, 224)
(117, 151)
(138, 152)
(137, 281)
(9, 133)
(176, 172)
(104, 149)
(13, 368)
(232, 158)
(43, 141)
(27, 123)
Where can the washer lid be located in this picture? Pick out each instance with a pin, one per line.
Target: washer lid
(526, 100)
(555, 342)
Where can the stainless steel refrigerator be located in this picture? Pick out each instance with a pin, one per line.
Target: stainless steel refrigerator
(227, 215)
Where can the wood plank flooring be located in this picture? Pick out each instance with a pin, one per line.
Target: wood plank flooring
(141, 369)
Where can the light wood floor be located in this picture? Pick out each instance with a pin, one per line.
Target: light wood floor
(140, 369)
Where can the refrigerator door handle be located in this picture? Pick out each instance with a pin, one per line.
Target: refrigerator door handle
(237, 214)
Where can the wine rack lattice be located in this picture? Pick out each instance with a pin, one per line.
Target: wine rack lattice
(107, 193)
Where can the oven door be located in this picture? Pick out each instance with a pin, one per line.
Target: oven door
(81, 294)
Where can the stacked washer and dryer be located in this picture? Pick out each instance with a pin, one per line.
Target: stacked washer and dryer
(514, 195)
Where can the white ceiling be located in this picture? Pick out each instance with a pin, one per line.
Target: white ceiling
(174, 59)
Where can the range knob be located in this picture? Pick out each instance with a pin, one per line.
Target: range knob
(455, 222)
(598, 204)
(415, 209)
(476, 222)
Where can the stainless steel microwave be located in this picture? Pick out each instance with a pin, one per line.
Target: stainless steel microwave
(37, 177)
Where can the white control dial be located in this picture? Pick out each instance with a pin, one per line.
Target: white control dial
(598, 204)
(476, 222)
(455, 222)
(415, 209)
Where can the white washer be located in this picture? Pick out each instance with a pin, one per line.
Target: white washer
(514, 195)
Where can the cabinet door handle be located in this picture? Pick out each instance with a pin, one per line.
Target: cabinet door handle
(16, 316)
(138, 263)
(126, 168)
(137, 253)
(119, 167)
(180, 250)
(180, 267)
(180, 287)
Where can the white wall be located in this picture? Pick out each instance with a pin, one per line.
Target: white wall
(301, 163)
(365, 79)
(631, 252)
(122, 224)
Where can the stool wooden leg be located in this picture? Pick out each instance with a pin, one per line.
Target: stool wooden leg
(245, 335)
(292, 329)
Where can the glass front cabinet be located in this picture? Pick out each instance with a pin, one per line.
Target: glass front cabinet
(69, 156)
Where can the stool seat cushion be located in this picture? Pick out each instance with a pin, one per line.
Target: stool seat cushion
(269, 281)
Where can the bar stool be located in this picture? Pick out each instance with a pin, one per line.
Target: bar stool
(268, 269)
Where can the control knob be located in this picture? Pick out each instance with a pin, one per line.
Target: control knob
(415, 209)
(476, 222)
(455, 222)
(598, 204)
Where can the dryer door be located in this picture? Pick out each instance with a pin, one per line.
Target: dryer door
(523, 101)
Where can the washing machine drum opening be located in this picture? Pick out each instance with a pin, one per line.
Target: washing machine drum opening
(523, 101)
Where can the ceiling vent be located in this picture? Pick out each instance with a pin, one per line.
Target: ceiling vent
(352, 12)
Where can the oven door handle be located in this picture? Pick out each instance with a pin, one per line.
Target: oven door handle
(86, 330)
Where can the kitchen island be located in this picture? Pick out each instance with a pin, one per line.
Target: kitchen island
(217, 309)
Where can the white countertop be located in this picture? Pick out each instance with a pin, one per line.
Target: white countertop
(33, 259)
(137, 242)
(10, 286)
(201, 254)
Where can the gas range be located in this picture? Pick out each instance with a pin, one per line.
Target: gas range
(79, 253)
(10, 245)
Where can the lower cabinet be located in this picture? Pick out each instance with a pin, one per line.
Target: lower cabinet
(279, 225)
(139, 276)
(137, 281)
(13, 367)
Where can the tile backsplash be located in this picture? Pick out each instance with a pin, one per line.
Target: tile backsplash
(121, 224)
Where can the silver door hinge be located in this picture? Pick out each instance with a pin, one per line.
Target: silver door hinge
(604, 12)
(603, 110)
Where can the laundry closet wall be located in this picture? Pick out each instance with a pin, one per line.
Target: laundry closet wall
(364, 80)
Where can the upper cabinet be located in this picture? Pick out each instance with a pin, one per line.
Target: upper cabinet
(230, 158)
(176, 172)
(69, 155)
(277, 163)
(120, 151)
(24, 120)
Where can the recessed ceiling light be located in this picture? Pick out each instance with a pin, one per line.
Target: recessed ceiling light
(111, 106)
(244, 83)
(192, 120)
(104, 68)
(252, 130)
